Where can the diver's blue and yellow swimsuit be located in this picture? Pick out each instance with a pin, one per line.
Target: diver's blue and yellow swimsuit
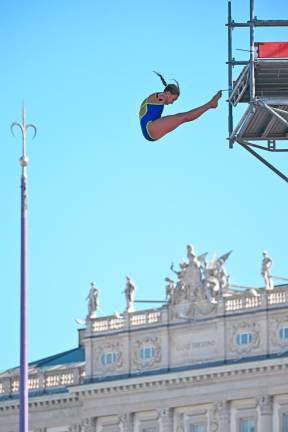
(149, 112)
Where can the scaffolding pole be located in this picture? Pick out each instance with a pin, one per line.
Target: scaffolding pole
(230, 74)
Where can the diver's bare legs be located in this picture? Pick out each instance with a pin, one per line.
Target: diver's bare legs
(160, 127)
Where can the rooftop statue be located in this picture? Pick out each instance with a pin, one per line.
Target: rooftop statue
(216, 278)
(170, 289)
(130, 294)
(265, 271)
(93, 300)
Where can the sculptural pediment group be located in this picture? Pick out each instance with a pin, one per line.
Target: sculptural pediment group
(197, 287)
(198, 280)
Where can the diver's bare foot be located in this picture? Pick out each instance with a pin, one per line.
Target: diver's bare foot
(214, 101)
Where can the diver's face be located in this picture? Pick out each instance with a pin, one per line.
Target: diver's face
(170, 98)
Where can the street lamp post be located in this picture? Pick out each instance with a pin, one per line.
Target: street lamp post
(23, 385)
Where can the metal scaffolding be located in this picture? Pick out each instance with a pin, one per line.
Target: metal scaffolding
(263, 85)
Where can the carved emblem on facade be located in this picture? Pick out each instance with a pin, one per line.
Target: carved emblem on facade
(146, 352)
(279, 333)
(245, 336)
(265, 404)
(218, 414)
(110, 356)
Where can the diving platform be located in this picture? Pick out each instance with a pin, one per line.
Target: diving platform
(263, 120)
(262, 84)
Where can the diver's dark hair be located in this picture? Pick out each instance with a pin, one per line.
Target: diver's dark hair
(171, 88)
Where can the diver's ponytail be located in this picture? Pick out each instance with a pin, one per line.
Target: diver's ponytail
(162, 79)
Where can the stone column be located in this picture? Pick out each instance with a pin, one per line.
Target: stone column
(265, 413)
(166, 419)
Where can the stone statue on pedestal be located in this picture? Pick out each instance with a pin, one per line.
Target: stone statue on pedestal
(170, 289)
(93, 301)
(130, 294)
(265, 271)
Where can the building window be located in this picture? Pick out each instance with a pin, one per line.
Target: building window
(284, 423)
(244, 338)
(199, 427)
(247, 425)
(283, 333)
(108, 358)
(147, 352)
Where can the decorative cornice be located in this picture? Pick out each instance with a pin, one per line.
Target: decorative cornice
(187, 378)
(54, 401)
(181, 378)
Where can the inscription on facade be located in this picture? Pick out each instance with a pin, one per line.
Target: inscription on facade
(191, 346)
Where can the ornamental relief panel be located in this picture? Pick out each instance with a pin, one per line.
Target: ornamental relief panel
(153, 345)
(109, 357)
(276, 326)
(249, 327)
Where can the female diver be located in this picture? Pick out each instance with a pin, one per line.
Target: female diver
(153, 125)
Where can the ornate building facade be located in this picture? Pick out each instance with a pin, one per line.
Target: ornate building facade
(210, 359)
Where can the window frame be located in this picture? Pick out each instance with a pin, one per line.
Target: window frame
(282, 425)
(201, 424)
(250, 418)
(240, 338)
(147, 349)
(285, 330)
(106, 355)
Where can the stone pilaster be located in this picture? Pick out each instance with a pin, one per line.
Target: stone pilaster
(219, 417)
(126, 421)
(179, 422)
(265, 413)
(166, 419)
(88, 425)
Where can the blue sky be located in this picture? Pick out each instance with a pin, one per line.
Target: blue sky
(103, 202)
